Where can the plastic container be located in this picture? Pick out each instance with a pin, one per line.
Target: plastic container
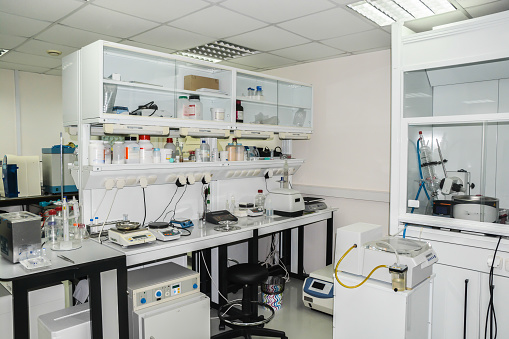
(170, 145)
(157, 156)
(217, 114)
(239, 149)
(146, 150)
(259, 93)
(194, 108)
(204, 151)
(96, 152)
(272, 291)
(269, 211)
(240, 112)
(182, 105)
(118, 153)
(214, 155)
(232, 152)
(107, 152)
(260, 199)
(132, 150)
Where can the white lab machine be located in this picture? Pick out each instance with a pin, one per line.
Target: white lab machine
(127, 238)
(395, 300)
(40, 302)
(287, 202)
(72, 322)
(318, 290)
(165, 302)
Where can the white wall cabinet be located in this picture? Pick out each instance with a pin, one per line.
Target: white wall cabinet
(103, 75)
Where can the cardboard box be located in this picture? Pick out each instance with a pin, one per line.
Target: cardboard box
(194, 82)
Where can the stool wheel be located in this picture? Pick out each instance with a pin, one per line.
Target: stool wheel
(221, 314)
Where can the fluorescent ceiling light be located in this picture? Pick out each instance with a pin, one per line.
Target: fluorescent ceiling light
(218, 51)
(385, 12)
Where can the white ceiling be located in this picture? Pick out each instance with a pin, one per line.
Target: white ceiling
(287, 32)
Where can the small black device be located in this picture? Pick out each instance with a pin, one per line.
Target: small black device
(442, 208)
(217, 216)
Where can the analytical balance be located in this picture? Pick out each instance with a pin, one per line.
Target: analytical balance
(128, 233)
(162, 231)
(318, 288)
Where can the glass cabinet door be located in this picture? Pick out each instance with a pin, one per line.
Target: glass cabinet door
(475, 157)
(258, 97)
(294, 105)
(133, 79)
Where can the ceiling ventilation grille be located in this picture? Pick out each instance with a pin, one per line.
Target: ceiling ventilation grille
(218, 51)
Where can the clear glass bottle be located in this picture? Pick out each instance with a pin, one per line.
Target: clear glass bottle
(107, 152)
(204, 151)
(118, 153)
(260, 199)
(51, 227)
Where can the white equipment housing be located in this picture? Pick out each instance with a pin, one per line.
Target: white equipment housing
(372, 250)
(317, 290)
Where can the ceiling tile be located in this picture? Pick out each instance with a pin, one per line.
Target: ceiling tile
(490, 8)
(105, 21)
(232, 64)
(313, 50)
(217, 22)
(26, 68)
(72, 36)
(50, 10)
(154, 10)
(268, 39)
(264, 60)
(173, 38)
(16, 25)
(38, 47)
(10, 41)
(328, 24)
(54, 71)
(149, 47)
(30, 59)
(277, 11)
(361, 41)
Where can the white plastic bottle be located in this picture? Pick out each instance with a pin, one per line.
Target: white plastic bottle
(204, 151)
(182, 106)
(260, 199)
(118, 153)
(96, 152)
(269, 212)
(146, 150)
(157, 156)
(169, 144)
(195, 108)
(132, 150)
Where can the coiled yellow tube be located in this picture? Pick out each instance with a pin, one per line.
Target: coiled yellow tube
(362, 282)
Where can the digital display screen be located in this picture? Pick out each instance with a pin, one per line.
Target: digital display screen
(175, 286)
(318, 285)
(139, 237)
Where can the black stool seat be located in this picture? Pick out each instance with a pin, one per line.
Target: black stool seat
(247, 274)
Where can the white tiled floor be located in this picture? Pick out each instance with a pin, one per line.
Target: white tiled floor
(294, 318)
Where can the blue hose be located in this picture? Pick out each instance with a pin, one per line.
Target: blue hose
(421, 185)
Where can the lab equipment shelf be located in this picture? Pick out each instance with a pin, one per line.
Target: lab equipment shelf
(95, 177)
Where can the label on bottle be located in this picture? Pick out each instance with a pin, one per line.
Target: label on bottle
(190, 111)
(132, 153)
(240, 115)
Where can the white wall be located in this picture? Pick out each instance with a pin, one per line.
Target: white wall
(40, 104)
(348, 156)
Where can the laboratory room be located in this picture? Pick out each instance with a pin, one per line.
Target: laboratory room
(254, 169)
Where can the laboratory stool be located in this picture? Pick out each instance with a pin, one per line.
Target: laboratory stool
(246, 322)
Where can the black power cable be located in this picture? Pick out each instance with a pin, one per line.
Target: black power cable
(490, 313)
(173, 196)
